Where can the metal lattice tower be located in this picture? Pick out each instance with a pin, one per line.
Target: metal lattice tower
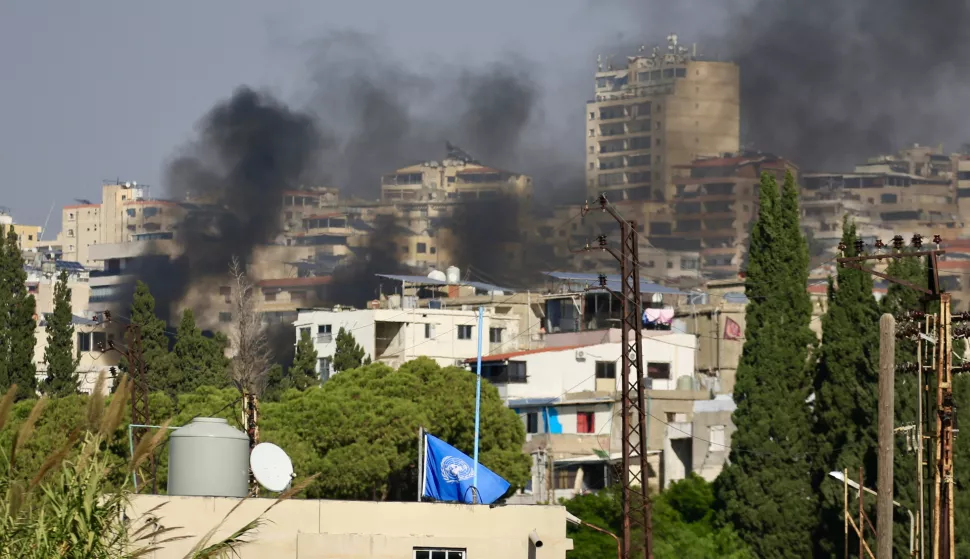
(636, 504)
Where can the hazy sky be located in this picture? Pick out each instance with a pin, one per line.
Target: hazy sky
(109, 89)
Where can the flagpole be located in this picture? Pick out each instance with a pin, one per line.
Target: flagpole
(478, 400)
(420, 462)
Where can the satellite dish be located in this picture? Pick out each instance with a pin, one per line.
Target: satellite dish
(271, 467)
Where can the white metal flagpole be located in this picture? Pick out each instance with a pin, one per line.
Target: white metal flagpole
(478, 401)
(421, 459)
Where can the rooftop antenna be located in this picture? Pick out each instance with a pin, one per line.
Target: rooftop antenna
(672, 41)
(271, 467)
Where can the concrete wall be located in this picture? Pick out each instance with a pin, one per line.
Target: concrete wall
(346, 529)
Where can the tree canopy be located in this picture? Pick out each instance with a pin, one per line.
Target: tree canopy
(684, 524)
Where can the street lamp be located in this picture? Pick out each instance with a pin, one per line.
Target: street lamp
(842, 478)
(576, 521)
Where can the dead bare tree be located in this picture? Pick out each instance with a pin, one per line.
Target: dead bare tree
(250, 346)
(251, 358)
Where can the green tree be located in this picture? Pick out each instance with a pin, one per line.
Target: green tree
(19, 324)
(683, 523)
(846, 382)
(151, 330)
(196, 360)
(303, 371)
(766, 491)
(59, 354)
(5, 296)
(348, 354)
(360, 428)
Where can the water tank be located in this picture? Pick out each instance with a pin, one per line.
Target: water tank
(438, 275)
(394, 302)
(453, 275)
(208, 458)
(685, 382)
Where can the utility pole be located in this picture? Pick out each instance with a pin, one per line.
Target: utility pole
(943, 541)
(132, 352)
(635, 472)
(250, 421)
(884, 483)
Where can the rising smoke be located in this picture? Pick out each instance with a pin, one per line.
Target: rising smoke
(365, 114)
(829, 83)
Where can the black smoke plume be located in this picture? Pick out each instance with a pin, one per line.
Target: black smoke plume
(829, 83)
(249, 149)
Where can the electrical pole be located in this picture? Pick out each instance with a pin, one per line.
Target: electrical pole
(250, 420)
(884, 482)
(943, 521)
(635, 471)
(140, 414)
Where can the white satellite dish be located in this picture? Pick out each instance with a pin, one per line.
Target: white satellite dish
(271, 467)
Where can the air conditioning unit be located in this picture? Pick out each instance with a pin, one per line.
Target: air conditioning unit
(580, 355)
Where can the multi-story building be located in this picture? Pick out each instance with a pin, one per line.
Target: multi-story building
(457, 177)
(715, 201)
(655, 112)
(28, 236)
(402, 331)
(126, 213)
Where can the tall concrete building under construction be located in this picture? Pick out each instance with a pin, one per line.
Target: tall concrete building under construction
(655, 112)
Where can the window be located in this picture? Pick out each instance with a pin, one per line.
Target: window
(592, 132)
(606, 369)
(99, 341)
(131, 212)
(269, 296)
(495, 335)
(565, 479)
(465, 332)
(226, 292)
(324, 329)
(887, 199)
(585, 422)
(592, 116)
(225, 317)
(84, 341)
(658, 370)
(516, 371)
(532, 422)
(150, 212)
(428, 331)
(438, 553)
(717, 438)
(404, 249)
(298, 296)
(433, 250)
(323, 368)
(422, 248)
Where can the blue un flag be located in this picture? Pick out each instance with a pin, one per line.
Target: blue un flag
(449, 475)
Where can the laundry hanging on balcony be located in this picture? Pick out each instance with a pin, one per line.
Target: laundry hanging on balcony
(655, 317)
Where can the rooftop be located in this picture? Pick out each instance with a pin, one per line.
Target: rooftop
(523, 353)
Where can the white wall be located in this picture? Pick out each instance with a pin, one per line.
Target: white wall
(410, 341)
(553, 373)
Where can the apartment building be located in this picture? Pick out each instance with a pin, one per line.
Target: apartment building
(28, 236)
(403, 331)
(456, 177)
(125, 213)
(653, 112)
(714, 204)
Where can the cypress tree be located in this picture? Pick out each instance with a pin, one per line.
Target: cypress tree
(846, 394)
(766, 491)
(348, 354)
(4, 314)
(154, 341)
(19, 323)
(59, 354)
(303, 372)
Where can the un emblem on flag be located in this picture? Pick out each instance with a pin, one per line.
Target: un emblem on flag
(455, 469)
